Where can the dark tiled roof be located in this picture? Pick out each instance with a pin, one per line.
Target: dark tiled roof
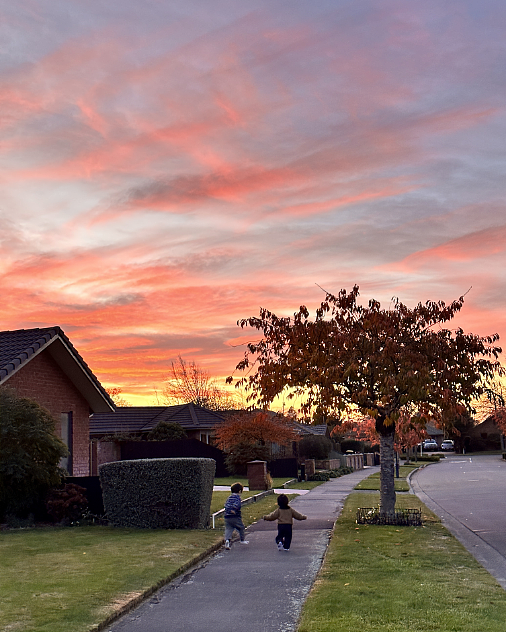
(306, 429)
(18, 347)
(138, 419)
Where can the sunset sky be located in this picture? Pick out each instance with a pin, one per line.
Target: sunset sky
(168, 167)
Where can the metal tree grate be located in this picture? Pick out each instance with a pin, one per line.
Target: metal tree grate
(402, 517)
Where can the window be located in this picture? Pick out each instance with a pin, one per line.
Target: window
(66, 437)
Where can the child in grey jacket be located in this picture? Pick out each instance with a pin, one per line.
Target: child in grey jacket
(233, 518)
(284, 514)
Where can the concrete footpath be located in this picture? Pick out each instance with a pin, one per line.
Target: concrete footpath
(252, 587)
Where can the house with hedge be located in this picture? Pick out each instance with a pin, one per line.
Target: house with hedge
(111, 431)
(42, 364)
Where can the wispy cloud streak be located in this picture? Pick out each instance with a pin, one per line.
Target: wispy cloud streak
(166, 169)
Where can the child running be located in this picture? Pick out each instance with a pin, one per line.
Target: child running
(233, 519)
(284, 514)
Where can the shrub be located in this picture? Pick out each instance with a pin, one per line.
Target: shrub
(314, 447)
(325, 475)
(322, 475)
(158, 493)
(30, 454)
(68, 504)
(240, 454)
(352, 444)
(167, 431)
(345, 469)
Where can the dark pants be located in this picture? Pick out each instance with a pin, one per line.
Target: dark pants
(284, 535)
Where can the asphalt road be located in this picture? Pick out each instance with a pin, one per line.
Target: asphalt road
(469, 494)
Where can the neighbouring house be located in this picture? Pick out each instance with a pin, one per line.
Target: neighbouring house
(43, 365)
(486, 436)
(135, 422)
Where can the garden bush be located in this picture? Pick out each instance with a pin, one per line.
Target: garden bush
(314, 447)
(167, 431)
(30, 453)
(241, 454)
(158, 493)
(321, 475)
(325, 475)
(68, 504)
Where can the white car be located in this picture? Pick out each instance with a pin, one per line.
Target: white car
(430, 445)
(447, 445)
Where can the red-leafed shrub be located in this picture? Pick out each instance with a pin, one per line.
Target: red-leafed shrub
(67, 504)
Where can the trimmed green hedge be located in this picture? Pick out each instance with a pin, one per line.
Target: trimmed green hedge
(158, 493)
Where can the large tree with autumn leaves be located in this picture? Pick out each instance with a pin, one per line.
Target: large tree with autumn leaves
(383, 363)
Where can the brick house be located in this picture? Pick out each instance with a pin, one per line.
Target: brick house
(43, 365)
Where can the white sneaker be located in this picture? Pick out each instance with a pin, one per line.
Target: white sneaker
(280, 546)
(244, 542)
(227, 545)
(286, 549)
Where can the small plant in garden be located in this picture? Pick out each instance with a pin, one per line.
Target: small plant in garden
(67, 505)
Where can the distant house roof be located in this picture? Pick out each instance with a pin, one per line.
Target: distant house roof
(19, 347)
(139, 419)
(307, 429)
(433, 431)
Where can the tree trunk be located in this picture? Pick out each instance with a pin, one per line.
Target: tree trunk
(387, 485)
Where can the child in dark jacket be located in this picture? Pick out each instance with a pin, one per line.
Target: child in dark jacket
(284, 514)
(233, 518)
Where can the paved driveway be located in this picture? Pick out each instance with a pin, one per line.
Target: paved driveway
(469, 494)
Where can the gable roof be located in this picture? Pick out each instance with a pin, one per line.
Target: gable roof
(20, 346)
(139, 419)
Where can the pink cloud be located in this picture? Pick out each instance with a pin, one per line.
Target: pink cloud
(477, 245)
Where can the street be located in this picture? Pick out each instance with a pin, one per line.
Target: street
(468, 494)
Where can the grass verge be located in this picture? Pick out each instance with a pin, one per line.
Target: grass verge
(372, 482)
(394, 579)
(61, 580)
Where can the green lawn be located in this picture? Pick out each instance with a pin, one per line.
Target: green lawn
(67, 580)
(372, 482)
(230, 480)
(398, 579)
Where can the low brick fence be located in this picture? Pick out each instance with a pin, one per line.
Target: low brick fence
(356, 461)
(328, 464)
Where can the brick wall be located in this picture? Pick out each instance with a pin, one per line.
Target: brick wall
(42, 379)
(106, 451)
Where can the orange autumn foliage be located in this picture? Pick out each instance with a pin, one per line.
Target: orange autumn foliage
(255, 429)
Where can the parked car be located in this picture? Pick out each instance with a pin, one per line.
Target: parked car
(447, 445)
(430, 445)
